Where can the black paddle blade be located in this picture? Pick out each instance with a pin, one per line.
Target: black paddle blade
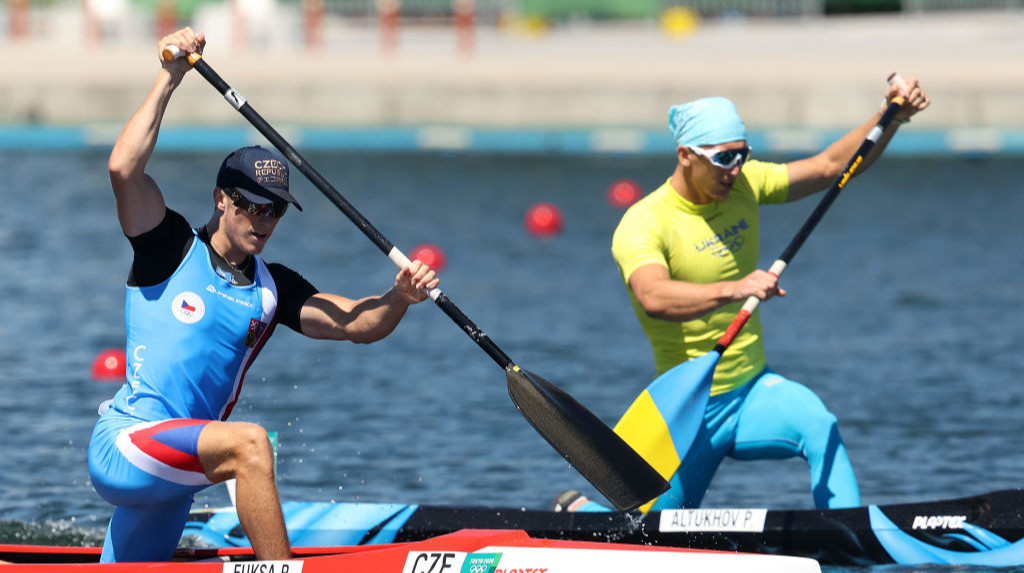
(590, 446)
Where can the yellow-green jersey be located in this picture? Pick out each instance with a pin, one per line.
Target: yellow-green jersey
(702, 244)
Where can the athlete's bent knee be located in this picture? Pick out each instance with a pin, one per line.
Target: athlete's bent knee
(252, 446)
(236, 447)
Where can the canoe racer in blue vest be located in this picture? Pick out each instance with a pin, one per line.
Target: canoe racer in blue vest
(200, 305)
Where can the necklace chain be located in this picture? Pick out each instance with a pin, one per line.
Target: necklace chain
(240, 269)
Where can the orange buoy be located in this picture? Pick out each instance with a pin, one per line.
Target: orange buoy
(109, 366)
(624, 193)
(430, 254)
(543, 220)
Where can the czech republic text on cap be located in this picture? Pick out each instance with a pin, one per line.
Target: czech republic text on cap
(259, 174)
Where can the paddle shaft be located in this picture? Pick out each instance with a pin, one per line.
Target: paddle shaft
(812, 221)
(586, 442)
(387, 247)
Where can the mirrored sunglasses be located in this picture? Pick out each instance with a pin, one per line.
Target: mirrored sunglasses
(726, 158)
(272, 210)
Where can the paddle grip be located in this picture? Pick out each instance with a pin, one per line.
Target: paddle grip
(737, 324)
(746, 310)
(401, 261)
(171, 53)
(896, 79)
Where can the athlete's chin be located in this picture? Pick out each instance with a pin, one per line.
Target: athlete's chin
(257, 242)
(723, 192)
(251, 247)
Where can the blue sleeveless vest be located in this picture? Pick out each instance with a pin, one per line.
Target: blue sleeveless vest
(191, 340)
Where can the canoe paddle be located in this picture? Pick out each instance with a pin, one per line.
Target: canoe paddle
(664, 420)
(587, 443)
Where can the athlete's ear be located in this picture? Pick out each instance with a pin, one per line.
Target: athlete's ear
(220, 200)
(684, 155)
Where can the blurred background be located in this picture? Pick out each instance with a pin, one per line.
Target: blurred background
(520, 75)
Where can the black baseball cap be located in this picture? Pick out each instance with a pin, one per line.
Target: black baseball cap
(259, 174)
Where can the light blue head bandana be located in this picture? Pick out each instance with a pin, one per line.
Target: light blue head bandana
(706, 121)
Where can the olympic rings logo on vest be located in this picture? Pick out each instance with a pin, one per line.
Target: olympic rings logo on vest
(188, 307)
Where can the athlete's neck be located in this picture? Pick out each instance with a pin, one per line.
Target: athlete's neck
(222, 246)
(687, 183)
(236, 273)
(681, 186)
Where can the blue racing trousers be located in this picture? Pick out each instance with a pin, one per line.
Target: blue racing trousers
(770, 417)
(149, 471)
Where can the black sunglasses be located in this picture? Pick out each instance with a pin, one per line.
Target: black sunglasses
(273, 210)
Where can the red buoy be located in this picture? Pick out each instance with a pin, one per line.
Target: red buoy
(109, 366)
(430, 254)
(624, 193)
(543, 220)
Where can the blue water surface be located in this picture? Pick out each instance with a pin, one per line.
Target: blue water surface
(904, 314)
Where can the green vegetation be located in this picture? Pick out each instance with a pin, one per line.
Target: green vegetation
(186, 8)
(595, 9)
